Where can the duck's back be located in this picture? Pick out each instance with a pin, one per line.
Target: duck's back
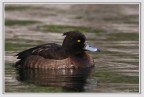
(46, 51)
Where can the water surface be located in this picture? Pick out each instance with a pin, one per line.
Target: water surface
(114, 29)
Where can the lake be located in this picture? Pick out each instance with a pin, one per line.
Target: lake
(114, 29)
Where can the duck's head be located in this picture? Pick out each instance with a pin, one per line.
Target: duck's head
(75, 43)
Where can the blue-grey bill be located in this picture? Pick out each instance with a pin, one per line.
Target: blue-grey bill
(90, 48)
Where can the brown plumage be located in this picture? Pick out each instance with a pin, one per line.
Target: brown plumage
(71, 54)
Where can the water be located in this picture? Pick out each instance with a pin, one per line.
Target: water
(111, 28)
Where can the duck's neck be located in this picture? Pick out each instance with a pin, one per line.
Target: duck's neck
(81, 54)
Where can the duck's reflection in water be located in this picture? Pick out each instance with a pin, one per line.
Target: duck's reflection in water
(71, 80)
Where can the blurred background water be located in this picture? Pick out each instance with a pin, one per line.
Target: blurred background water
(113, 28)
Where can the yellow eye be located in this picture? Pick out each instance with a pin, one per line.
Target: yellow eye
(78, 40)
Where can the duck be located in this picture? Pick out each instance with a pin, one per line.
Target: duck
(71, 54)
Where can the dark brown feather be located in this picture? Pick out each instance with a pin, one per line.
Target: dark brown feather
(48, 51)
(70, 54)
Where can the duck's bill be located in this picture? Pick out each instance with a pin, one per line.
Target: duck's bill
(90, 48)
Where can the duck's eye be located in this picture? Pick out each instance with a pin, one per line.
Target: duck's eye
(78, 40)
